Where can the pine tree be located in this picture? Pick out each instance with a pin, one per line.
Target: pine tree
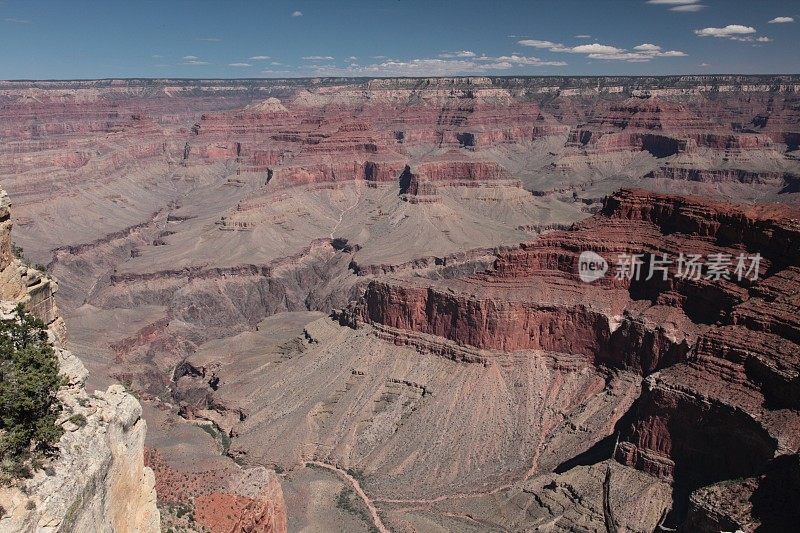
(29, 380)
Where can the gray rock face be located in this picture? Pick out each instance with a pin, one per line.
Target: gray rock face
(98, 482)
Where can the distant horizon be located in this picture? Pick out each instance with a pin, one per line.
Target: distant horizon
(291, 39)
(465, 76)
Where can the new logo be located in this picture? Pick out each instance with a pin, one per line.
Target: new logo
(591, 266)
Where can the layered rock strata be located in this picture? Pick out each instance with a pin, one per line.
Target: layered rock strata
(719, 357)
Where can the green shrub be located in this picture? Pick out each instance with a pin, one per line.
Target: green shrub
(78, 419)
(357, 474)
(29, 380)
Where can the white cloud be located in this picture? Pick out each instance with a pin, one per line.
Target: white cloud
(318, 58)
(594, 49)
(276, 64)
(18, 21)
(547, 45)
(259, 58)
(688, 8)
(434, 66)
(210, 39)
(681, 6)
(583, 36)
(731, 31)
(515, 59)
(535, 43)
(704, 65)
(460, 53)
(352, 58)
(193, 60)
(297, 13)
(764, 40)
(640, 54)
(631, 57)
(239, 65)
(781, 20)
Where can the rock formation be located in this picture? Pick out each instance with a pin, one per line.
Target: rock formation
(98, 481)
(719, 359)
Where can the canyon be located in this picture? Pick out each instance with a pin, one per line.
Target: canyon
(98, 480)
(355, 304)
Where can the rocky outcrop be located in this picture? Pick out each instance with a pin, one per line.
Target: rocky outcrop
(240, 512)
(21, 283)
(97, 481)
(229, 500)
(718, 175)
(660, 127)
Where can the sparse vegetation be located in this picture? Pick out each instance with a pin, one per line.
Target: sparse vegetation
(220, 436)
(29, 380)
(127, 384)
(177, 517)
(357, 474)
(78, 419)
(19, 253)
(348, 501)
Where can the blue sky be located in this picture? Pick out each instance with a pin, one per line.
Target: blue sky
(64, 39)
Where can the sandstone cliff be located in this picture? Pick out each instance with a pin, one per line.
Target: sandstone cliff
(98, 481)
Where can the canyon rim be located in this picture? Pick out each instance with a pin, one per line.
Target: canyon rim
(411, 295)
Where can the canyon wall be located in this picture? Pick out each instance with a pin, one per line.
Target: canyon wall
(718, 357)
(97, 481)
